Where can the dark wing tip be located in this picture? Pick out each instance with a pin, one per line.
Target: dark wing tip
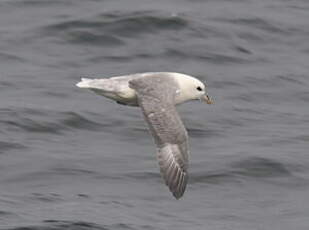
(175, 176)
(180, 191)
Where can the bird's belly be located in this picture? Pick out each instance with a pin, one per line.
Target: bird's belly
(125, 96)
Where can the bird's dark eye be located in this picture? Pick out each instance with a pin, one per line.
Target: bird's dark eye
(199, 88)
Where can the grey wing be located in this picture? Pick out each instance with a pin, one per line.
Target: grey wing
(156, 99)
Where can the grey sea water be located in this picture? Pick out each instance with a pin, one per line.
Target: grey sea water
(70, 159)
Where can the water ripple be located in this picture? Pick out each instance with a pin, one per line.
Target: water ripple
(266, 25)
(71, 225)
(44, 121)
(50, 198)
(38, 3)
(215, 58)
(109, 29)
(6, 146)
(5, 213)
(260, 167)
(8, 57)
(253, 167)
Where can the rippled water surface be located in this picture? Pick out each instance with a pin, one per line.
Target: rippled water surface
(70, 159)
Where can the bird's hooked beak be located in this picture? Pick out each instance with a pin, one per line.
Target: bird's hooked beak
(206, 99)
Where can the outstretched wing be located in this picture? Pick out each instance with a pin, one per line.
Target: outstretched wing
(156, 96)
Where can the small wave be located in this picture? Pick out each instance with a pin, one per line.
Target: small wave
(62, 225)
(223, 84)
(7, 57)
(304, 96)
(215, 58)
(110, 29)
(143, 175)
(277, 80)
(225, 123)
(260, 167)
(71, 225)
(6, 85)
(304, 138)
(185, 53)
(121, 58)
(30, 125)
(92, 38)
(5, 213)
(72, 171)
(242, 49)
(6, 146)
(51, 197)
(57, 173)
(39, 3)
(16, 118)
(44, 121)
(297, 6)
(203, 1)
(253, 167)
(213, 178)
(144, 21)
(75, 120)
(250, 36)
(291, 78)
(203, 133)
(261, 24)
(170, 53)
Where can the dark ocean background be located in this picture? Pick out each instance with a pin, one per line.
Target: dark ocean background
(70, 159)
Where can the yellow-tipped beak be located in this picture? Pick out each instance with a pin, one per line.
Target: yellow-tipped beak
(207, 99)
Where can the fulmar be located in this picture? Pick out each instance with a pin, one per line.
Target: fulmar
(157, 93)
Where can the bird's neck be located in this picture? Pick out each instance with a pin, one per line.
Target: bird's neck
(183, 93)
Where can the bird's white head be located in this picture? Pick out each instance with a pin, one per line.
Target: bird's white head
(190, 88)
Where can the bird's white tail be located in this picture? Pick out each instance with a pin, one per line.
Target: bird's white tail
(85, 83)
